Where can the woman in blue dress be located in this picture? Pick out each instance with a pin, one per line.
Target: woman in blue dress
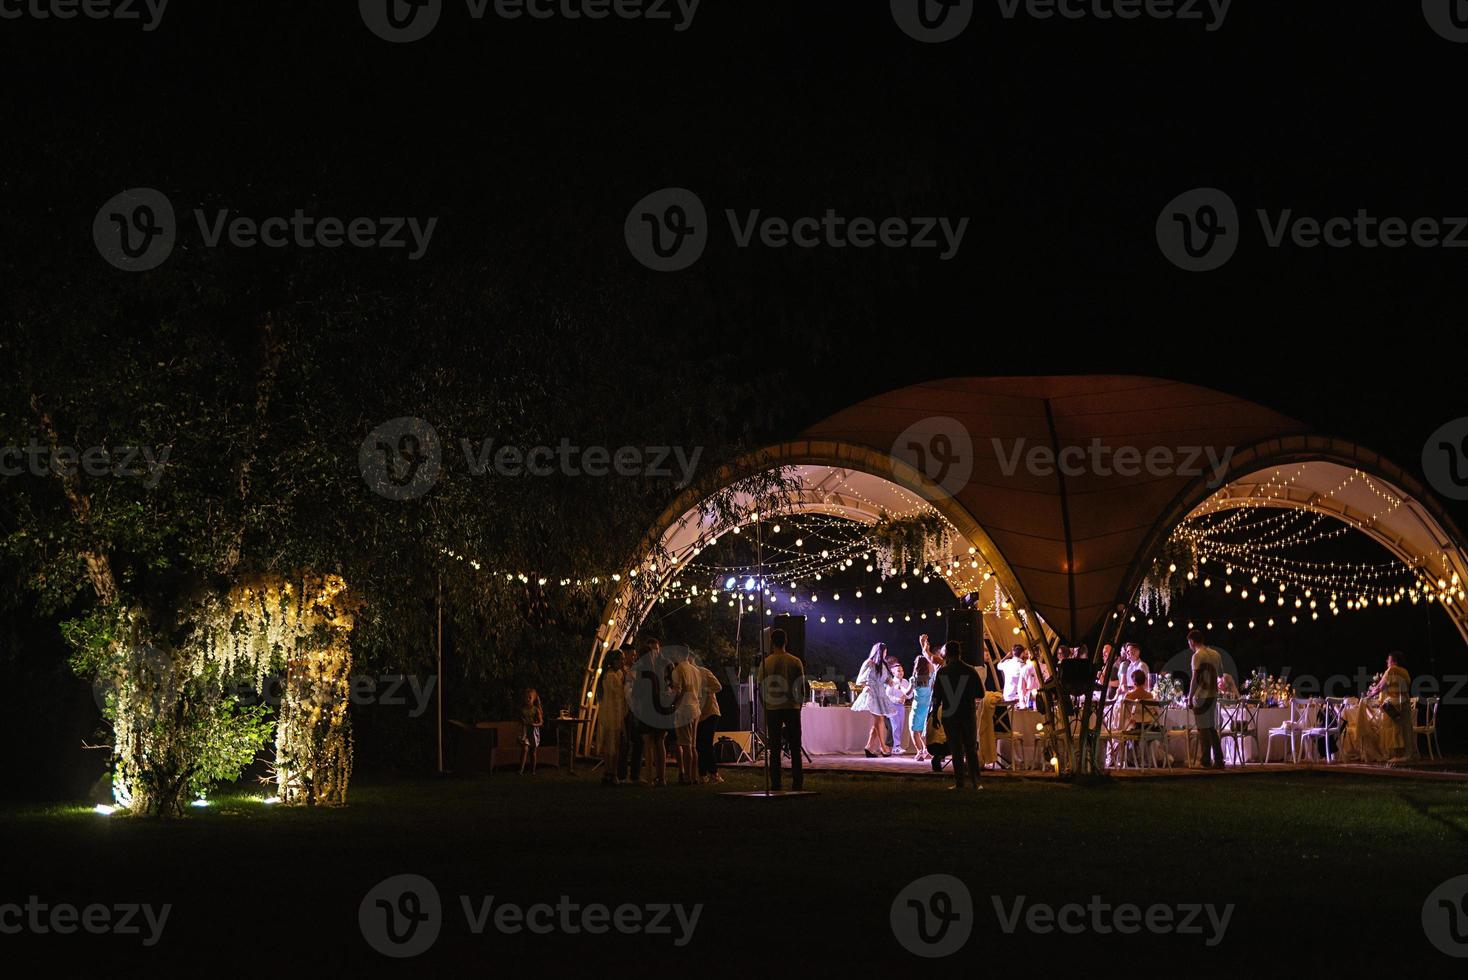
(922, 698)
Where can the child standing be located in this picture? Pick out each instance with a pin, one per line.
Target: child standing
(531, 718)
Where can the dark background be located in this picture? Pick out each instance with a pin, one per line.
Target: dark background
(1060, 141)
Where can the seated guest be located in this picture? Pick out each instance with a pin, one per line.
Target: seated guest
(1395, 690)
(1142, 716)
(1227, 686)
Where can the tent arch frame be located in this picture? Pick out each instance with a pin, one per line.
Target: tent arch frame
(621, 617)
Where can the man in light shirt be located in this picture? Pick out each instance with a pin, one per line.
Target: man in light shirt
(1203, 699)
(1126, 670)
(1012, 668)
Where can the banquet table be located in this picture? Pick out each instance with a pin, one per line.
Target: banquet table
(836, 730)
(1267, 718)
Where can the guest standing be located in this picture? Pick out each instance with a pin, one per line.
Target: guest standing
(1203, 699)
(652, 703)
(708, 723)
(1010, 668)
(899, 693)
(957, 689)
(629, 766)
(686, 704)
(611, 719)
(782, 692)
(1130, 665)
(922, 696)
(531, 718)
(873, 677)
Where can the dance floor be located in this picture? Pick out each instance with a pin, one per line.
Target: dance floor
(904, 766)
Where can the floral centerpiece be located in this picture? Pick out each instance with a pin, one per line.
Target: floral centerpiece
(1268, 690)
(1167, 689)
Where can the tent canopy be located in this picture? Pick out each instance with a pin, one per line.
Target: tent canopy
(1077, 481)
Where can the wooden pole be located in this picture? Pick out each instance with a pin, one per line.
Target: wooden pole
(440, 672)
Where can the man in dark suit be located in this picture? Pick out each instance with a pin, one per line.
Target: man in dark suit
(957, 688)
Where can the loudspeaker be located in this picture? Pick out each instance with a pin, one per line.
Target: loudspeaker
(794, 627)
(966, 626)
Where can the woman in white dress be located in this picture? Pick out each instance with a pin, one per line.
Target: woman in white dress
(611, 717)
(873, 698)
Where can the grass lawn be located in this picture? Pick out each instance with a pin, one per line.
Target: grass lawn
(1320, 866)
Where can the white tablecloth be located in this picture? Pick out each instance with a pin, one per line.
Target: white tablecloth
(1267, 718)
(836, 730)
